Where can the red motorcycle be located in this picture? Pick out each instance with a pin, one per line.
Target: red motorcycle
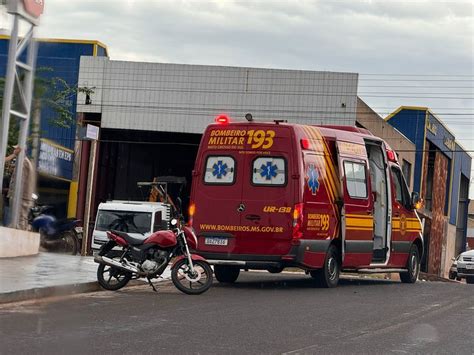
(148, 258)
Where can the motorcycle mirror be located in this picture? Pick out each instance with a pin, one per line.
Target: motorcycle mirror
(174, 222)
(34, 196)
(179, 203)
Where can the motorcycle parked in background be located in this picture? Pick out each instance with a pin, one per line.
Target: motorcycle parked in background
(56, 235)
(149, 258)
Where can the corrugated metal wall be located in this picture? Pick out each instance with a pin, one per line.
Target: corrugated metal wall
(185, 98)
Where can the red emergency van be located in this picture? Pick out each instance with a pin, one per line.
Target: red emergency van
(324, 199)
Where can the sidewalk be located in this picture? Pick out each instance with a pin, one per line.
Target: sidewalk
(45, 274)
(49, 274)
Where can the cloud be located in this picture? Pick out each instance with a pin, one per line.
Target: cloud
(383, 36)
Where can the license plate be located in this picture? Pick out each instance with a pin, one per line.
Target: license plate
(470, 266)
(215, 241)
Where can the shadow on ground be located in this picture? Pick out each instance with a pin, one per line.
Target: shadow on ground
(288, 281)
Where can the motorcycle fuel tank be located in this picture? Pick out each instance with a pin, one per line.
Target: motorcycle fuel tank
(164, 239)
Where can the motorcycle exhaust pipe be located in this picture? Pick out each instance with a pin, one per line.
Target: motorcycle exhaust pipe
(111, 262)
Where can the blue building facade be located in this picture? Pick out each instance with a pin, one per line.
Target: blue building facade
(441, 175)
(57, 58)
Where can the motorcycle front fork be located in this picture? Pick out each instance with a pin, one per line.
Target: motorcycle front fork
(188, 253)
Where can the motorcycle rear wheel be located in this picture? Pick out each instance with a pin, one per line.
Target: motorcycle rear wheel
(188, 283)
(111, 278)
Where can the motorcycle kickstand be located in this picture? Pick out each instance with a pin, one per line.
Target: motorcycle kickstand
(151, 284)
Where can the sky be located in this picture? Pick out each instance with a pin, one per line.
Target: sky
(406, 52)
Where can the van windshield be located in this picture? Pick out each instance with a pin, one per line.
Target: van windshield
(124, 221)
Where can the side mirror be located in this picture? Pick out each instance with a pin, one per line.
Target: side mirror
(416, 202)
(34, 196)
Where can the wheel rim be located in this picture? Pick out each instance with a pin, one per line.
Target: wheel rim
(192, 280)
(414, 266)
(332, 268)
(112, 276)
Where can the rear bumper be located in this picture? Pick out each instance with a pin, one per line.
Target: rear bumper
(309, 254)
(261, 262)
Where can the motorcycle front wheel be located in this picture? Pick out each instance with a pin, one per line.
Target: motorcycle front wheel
(189, 282)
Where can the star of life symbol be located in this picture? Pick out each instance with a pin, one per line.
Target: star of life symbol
(268, 171)
(313, 177)
(220, 169)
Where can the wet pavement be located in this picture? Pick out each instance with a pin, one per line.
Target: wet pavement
(45, 270)
(261, 313)
(48, 270)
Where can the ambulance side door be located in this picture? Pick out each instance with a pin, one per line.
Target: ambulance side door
(356, 212)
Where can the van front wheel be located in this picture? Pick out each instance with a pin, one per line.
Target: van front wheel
(413, 266)
(328, 276)
(226, 273)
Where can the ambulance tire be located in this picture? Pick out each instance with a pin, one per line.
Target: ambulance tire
(328, 276)
(413, 266)
(226, 273)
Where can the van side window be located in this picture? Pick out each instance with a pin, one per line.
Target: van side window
(220, 170)
(269, 171)
(356, 180)
(401, 191)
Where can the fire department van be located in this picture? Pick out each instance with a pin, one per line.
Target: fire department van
(324, 199)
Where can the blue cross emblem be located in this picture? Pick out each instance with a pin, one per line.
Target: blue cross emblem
(313, 182)
(268, 171)
(220, 169)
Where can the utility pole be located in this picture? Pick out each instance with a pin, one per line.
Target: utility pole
(28, 11)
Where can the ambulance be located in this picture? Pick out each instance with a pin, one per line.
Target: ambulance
(326, 199)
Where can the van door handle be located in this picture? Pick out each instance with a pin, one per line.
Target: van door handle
(253, 217)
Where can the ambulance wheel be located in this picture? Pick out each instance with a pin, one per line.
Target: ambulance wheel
(226, 273)
(328, 276)
(413, 266)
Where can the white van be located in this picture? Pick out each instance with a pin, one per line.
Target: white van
(137, 218)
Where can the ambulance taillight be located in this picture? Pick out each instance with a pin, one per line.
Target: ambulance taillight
(297, 223)
(191, 211)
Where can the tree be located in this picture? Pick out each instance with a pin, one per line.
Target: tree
(49, 91)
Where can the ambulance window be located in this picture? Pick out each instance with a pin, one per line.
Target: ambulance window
(401, 192)
(220, 170)
(270, 171)
(356, 180)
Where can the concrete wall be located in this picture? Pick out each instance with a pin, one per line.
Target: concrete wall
(14, 242)
(186, 98)
(370, 120)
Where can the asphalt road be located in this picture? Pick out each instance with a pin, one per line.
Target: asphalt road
(262, 313)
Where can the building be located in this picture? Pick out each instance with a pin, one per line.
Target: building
(152, 115)
(57, 58)
(442, 173)
(405, 149)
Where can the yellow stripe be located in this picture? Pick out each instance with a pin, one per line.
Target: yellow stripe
(321, 163)
(360, 216)
(329, 165)
(359, 222)
(54, 144)
(359, 229)
(72, 202)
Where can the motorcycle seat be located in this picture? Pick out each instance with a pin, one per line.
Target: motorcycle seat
(130, 240)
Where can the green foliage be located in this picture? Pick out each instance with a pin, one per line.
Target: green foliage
(49, 92)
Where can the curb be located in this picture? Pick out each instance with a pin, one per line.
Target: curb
(54, 291)
(44, 292)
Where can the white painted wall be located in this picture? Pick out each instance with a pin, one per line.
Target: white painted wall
(14, 242)
(186, 98)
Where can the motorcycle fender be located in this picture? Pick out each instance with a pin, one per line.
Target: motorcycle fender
(193, 257)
